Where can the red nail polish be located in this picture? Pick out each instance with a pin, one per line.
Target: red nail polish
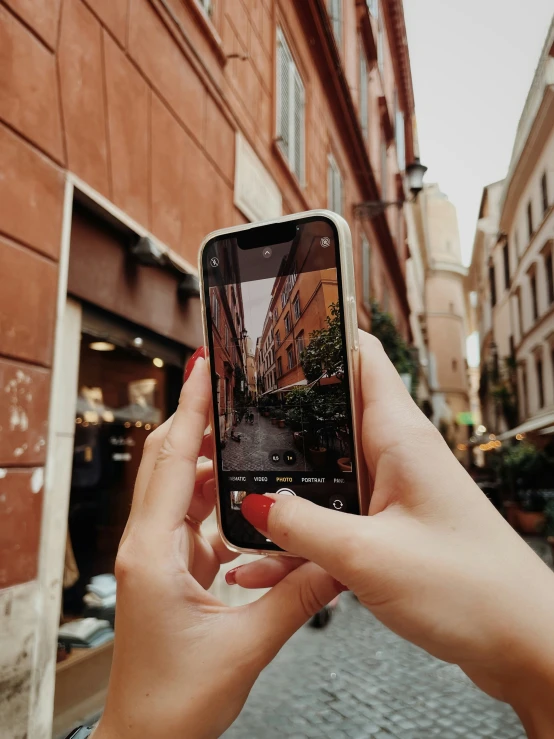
(255, 509)
(200, 352)
(231, 576)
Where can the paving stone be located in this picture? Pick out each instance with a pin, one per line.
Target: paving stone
(383, 688)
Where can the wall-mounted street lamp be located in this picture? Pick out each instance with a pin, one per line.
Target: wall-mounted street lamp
(415, 171)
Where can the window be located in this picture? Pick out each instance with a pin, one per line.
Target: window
(275, 315)
(335, 13)
(544, 193)
(383, 169)
(296, 307)
(283, 299)
(525, 394)
(290, 108)
(290, 357)
(540, 386)
(380, 46)
(533, 283)
(549, 278)
(334, 183)
(373, 7)
(364, 88)
(366, 272)
(530, 229)
(492, 285)
(506, 258)
(288, 325)
(226, 334)
(516, 243)
(519, 313)
(207, 5)
(215, 309)
(301, 343)
(279, 367)
(399, 134)
(278, 338)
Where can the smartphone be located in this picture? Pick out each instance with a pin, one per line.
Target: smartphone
(281, 339)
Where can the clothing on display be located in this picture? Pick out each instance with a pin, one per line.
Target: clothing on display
(85, 633)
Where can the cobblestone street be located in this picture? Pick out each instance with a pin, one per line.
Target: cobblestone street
(257, 442)
(357, 680)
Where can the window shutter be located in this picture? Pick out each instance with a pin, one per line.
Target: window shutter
(363, 90)
(283, 91)
(298, 127)
(400, 140)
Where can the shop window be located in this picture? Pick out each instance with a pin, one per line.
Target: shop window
(124, 392)
(290, 109)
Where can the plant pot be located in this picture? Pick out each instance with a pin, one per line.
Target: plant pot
(281, 423)
(298, 440)
(317, 456)
(511, 508)
(274, 422)
(530, 522)
(345, 464)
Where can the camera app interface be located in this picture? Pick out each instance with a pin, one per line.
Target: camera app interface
(279, 374)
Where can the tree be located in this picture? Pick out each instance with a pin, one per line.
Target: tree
(395, 346)
(324, 354)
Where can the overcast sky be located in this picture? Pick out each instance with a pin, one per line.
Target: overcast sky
(472, 65)
(256, 296)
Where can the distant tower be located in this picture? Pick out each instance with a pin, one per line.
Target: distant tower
(446, 318)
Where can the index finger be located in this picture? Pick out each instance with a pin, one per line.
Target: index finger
(390, 416)
(169, 492)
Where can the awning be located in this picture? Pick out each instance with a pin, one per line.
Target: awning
(300, 383)
(534, 424)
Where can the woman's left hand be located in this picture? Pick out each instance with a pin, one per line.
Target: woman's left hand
(184, 662)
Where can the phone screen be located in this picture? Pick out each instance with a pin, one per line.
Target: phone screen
(279, 369)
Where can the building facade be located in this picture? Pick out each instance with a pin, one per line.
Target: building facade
(446, 320)
(128, 130)
(513, 273)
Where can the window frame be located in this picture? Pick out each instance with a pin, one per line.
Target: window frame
(279, 364)
(492, 285)
(544, 194)
(539, 369)
(290, 357)
(534, 295)
(530, 224)
(288, 323)
(506, 264)
(294, 83)
(549, 268)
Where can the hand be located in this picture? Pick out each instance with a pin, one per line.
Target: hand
(183, 662)
(434, 561)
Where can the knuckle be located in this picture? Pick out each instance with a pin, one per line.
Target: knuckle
(311, 601)
(127, 563)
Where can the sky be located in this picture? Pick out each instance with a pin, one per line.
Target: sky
(256, 296)
(472, 66)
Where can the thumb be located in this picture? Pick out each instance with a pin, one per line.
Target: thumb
(288, 605)
(331, 539)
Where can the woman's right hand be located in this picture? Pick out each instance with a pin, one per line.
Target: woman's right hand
(433, 561)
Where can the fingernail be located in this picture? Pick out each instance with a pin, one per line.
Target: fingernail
(255, 509)
(200, 352)
(231, 576)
